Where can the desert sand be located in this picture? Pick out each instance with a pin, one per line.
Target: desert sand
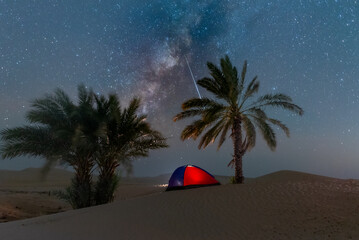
(27, 193)
(281, 205)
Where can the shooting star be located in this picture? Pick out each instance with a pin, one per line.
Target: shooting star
(194, 81)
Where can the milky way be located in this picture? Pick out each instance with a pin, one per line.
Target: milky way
(307, 49)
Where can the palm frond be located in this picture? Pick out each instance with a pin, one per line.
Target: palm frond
(193, 130)
(267, 133)
(231, 76)
(258, 112)
(281, 125)
(270, 98)
(274, 97)
(250, 131)
(199, 103)
(214, 113)
(222, 139)
(133, 107)
(187, 113)
(212, 86)
(211, 135)
(243, 76)
(48, 112)
(28, 141)
(252, 88)
(85, 97)
(216, 74)
(285, 105)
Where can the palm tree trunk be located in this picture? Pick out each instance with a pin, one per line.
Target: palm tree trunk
(83, 183)
(107, 181)
(237, 145)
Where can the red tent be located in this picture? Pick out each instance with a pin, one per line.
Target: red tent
(190, 176)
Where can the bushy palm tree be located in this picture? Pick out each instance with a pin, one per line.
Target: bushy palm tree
(232, 111)
(94, 134)
(61, 132)
(128, 136)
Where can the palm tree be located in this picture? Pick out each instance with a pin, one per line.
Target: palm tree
(128, 136)
(61, 132)
(233, 111)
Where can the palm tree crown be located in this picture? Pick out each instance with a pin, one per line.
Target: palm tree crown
(95, 134)
(57, 129)
(233, 110)
(61, 132)
(128, 134)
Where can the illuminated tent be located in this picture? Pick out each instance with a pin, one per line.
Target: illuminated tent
(190, 176)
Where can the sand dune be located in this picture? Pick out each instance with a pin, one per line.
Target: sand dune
(26, 194)
(32, 179)
(282, 205)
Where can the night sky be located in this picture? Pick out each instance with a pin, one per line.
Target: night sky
(306, 49)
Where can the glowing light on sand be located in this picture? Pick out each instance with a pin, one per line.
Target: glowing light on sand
(161, 185)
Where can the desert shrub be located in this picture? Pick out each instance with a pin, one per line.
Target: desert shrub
(105, 189)
(78, 195)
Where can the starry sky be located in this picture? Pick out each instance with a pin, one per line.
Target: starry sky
(307, 49)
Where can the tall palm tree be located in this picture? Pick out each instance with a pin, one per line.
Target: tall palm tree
(128, 136)
(61, 132)
(232, 111)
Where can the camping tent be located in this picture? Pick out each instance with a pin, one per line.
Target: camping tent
(190, 176)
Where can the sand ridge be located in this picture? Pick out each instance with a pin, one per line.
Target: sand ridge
(282, 205)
